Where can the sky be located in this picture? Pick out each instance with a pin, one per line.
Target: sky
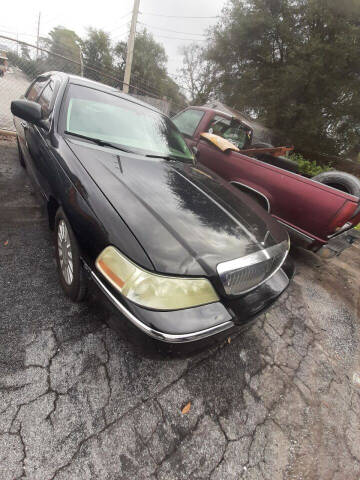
(161, 17)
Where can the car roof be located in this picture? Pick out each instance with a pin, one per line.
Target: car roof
(87, 82)
(209, 109)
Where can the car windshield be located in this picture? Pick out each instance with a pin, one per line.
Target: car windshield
(112, 119)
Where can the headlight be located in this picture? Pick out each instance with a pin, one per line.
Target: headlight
(151, 290)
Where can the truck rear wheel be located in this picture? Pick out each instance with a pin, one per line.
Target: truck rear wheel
(341, 180)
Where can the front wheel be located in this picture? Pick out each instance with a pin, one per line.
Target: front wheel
(21, 157)
(71, 272)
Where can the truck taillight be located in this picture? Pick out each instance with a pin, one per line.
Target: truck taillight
(346, 215)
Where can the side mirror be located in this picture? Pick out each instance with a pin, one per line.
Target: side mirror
(196, 153)
(29, 111)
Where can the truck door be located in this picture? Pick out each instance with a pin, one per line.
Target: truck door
(230, 129)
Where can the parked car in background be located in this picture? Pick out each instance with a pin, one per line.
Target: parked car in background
(320, 216)
(178, 251)
(4, 64)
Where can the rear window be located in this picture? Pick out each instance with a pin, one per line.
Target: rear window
(233, 131)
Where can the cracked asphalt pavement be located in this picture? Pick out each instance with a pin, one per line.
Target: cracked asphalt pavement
(80, 401)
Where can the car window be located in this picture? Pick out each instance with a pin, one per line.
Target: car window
(46, 97)
(35, 89)
(188, 121)
(104, 116)
(235, 132)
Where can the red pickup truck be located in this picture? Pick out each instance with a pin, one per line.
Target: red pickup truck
(318, 215)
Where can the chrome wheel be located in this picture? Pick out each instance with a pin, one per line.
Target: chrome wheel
(65, 252)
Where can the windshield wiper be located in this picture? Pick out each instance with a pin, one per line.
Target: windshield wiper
(168, 157)
(98, 141)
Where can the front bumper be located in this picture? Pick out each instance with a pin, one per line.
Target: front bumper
(191, 324)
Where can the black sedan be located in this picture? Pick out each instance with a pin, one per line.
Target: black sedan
(179, 252)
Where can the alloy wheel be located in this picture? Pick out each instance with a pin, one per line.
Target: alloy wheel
(65, 252)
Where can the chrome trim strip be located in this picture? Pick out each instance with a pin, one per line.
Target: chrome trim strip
(254, 190)
(248, 260)
(164, 337)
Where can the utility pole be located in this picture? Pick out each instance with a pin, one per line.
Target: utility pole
(130, 47)
(37, 37)
(81, 61)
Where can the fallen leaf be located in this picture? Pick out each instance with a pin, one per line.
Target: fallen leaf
(186, 409)
(5, 243)
(229, 340)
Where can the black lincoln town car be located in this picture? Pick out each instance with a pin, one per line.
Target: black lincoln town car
(179, 252)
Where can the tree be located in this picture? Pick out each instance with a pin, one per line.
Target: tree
(197, 74)
(64, 42)
(98, 55)
(149, 60)
(148, 72)
(295, 64)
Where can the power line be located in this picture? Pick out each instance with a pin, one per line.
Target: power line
(19, 33)
(168, 30)
(182, 39)
(120, 26)
(115, 29)
(175, 16)
(126, 15)
(121, 37)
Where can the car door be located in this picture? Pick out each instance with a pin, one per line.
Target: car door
(38, 139)
(22, 126)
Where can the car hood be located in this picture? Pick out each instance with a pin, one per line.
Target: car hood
(186, 218)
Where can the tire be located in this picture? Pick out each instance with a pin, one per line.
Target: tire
(341, 180)
(21, 157)
(73, 281)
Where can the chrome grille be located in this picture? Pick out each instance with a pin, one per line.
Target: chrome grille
(244, 274)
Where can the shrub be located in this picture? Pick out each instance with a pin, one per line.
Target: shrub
(309, 167)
